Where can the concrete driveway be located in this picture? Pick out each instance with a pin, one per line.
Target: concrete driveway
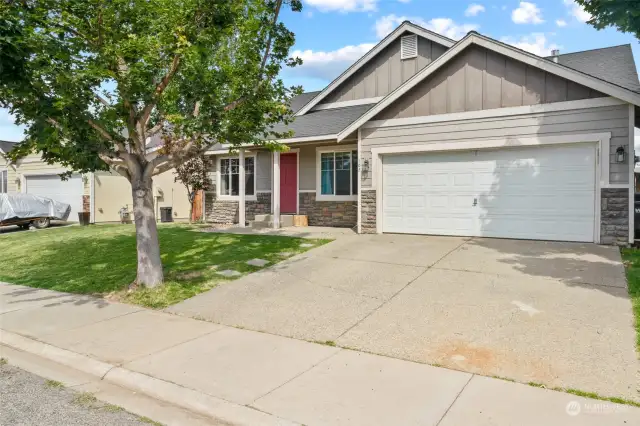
(551, 313)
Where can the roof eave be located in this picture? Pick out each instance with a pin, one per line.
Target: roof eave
(394, 35)
(526, 57)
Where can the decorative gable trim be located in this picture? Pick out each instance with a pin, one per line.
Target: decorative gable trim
(512, 52)
(404, 27)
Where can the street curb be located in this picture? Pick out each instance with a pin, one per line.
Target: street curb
(189, 399)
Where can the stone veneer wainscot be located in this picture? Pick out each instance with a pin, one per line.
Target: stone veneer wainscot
(342, 214)
(614, 217)
(226, 211)
(368, 212)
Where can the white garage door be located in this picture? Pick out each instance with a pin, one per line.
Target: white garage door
(545, 193)
(51, 186)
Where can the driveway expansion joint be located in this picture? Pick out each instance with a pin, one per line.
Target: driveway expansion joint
(455, 399)
(393, 296)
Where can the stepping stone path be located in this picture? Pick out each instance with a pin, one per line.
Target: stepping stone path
(305, 245)
(257, 262)
(228, 273)
(285, 254)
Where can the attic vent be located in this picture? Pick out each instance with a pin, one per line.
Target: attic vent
(409, 48)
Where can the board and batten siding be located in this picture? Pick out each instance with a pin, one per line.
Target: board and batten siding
(385, 72)
(614, 119)
(479, 79)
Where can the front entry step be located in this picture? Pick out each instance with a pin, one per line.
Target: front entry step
(266, 221)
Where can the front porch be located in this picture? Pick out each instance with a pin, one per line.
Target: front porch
(317, 180)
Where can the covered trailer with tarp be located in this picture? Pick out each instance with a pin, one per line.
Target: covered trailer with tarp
(26, 209)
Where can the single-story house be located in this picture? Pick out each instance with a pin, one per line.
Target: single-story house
(426, 135)
(102, 194)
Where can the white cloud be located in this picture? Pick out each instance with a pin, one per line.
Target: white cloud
(561, 22)
(328, 65)
(343, 5)
(474, 9)
(404, 1)
(443, 26)
(527, 13)
(577, 11)
(535, 43)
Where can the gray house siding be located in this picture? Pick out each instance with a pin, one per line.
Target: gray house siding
(385, 72)
(307, 170)
(480, 79)
(613, 119)
(263, 171)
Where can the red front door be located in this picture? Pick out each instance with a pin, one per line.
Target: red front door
(288, 183)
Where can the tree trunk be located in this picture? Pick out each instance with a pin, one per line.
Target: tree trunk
(149, 261)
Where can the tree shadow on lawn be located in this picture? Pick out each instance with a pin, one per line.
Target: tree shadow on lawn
(102, 259)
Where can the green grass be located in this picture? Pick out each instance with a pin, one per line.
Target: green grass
(86, 399)
(631, 258)
(53, 384)
(101, 260)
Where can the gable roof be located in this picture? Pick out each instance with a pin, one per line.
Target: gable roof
(406, 26)
(473, 37)
(328, 122)
(6, 146)
(301, 100)
(614, 64)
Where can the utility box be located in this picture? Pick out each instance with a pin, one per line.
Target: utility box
(166, 214)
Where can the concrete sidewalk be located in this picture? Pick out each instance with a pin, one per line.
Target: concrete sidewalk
(245, 377)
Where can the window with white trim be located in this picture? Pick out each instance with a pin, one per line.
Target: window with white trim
(229, 185)
(4, 181)
(339, 173)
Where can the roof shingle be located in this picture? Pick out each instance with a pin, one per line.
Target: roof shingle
(614, 64)
(7, 146)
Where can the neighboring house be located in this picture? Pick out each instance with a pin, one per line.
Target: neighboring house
(102, 194)
(425, 135)
(7, 171)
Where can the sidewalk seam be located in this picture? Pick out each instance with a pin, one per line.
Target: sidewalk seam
(294, 377)
(455, 399)
(222, 327)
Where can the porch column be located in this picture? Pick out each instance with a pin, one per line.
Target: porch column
(276, 190)
(241, 190)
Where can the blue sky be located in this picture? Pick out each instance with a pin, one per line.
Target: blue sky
(332, 34)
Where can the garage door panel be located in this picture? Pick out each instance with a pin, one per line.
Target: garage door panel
(66, 191)
(525, 192)
(539, 229)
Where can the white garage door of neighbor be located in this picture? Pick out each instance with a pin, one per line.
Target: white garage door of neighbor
(66, 191)
(543, 193)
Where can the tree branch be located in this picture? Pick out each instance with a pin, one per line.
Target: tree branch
(102, 100)
(270, 38)
(164, 82)
(265, 57)
(121, 148)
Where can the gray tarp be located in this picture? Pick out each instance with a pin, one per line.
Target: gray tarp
(27, 206)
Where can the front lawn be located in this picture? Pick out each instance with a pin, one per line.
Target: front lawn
(631, 258)
(101, 260)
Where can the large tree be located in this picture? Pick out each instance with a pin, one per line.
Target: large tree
(622, 14)
(93, 80)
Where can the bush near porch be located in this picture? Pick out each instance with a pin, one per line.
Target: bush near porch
(101, 260)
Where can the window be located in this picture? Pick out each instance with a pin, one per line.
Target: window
(4, 181)
(339, 174)
(230, 176)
